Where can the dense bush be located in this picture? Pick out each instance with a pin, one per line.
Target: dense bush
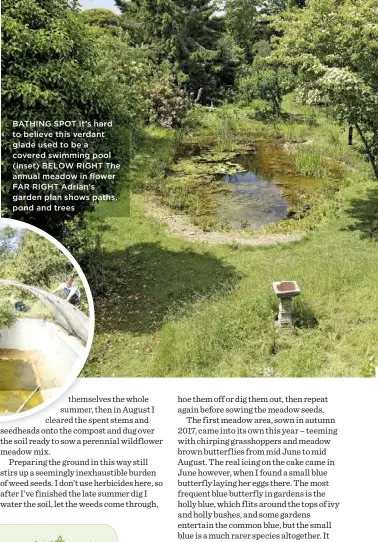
(51, 72)
(264, 80)
(7, 315)
(333, 46)
(34, 260)
(169, 102)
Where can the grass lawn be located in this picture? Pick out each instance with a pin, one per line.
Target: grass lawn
(182, 309)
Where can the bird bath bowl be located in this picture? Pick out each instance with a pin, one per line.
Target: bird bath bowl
(285, 291)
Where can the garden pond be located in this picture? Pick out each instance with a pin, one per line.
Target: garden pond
(267, 189)
(250, 187)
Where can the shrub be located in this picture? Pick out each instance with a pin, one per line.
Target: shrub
(226, 130)
(266, 83)
(7, 315)
(169, 102)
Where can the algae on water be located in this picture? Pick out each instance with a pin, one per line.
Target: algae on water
(17, 380)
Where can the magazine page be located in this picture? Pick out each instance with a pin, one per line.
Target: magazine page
(188, 270)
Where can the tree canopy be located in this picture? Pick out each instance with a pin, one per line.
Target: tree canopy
(104, 18)
(28, 257)
(185, 36)
(333, 47)
(50, 72)
(7, 315)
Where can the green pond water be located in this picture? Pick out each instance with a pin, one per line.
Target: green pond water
(17, 382)
(267, 188)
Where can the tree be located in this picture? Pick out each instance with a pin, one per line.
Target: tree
(184, 35)
(104, 18)
(8, 238)
(333, 45)
(272, 7)
(151, 22)
(265, 80)
(248, 21)
(126, 71)
(243, 22)
(36, 261)
(267, 83)
(50, 72)
(7, 315)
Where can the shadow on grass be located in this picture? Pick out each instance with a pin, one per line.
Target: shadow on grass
(147, 283)
(365, 213)
(303, 315)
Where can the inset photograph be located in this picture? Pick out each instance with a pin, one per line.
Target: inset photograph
(46, 318)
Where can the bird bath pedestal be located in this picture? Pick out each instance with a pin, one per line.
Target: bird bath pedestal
(285, 291)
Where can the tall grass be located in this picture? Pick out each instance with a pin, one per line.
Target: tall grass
(310, 163)
(293, 133)
(226, 130)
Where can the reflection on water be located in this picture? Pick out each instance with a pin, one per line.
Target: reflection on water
(264, 193)
(253, 200)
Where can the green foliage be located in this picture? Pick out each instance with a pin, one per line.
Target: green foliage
(267, 83)
(125, 73)
(243, 22)
(169, 102)
(207, 310)
(225, 70)
(38, 262)
(333, 45)
(104, 18)
(247, 21)
(80, 236)
(186, 38)
(7, 315)
(264, 79)
(32, 259)
(50, 72)
(35, 261)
